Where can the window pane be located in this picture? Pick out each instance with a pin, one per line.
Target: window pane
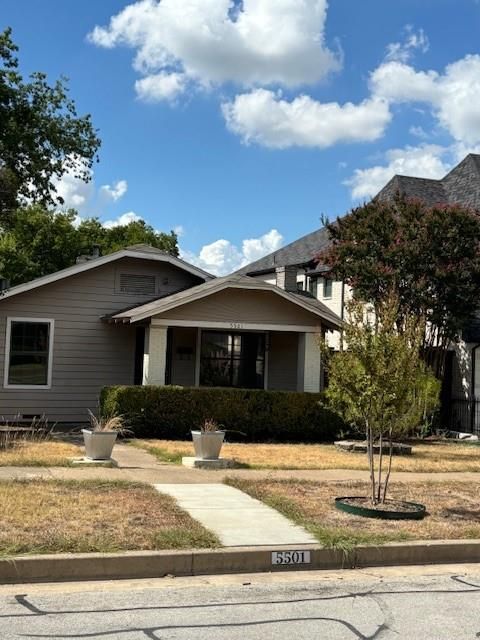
(29, 350)
(232, 359)
(216, 345)
(327, 288)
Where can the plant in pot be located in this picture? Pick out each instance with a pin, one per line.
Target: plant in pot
(100, 438)
(380, 385)
(208, 440)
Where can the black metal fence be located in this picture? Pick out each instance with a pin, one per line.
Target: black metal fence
(463, 415)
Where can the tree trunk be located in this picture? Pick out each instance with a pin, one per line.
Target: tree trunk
(389, 471)
(371, 463)
(380, 462)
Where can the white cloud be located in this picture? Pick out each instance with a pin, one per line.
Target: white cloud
(453, 95)
(179, 230)
(161, 86)
(215, 41)
(263, 117)
(425, 161)
(75, 192)
(418, 132)
(114, 192)
(413, 41)
(125, 218)
(222, 256)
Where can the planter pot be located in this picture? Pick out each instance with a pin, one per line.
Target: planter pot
(412, 510)
(99, 444)
(207, 444)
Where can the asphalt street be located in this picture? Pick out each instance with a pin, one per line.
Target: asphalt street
(413, 603)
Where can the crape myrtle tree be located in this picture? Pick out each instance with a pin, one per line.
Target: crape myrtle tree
(379, 383)
(38, 241)
(41, 135)
(429, 256)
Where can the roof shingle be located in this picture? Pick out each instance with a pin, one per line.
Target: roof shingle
(461, 186)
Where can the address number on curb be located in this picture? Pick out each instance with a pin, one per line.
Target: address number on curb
(291, 557)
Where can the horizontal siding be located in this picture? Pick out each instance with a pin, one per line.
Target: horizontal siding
(243, 306)
(87, 353)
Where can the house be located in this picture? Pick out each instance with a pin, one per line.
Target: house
(142, 316)
(460, 186)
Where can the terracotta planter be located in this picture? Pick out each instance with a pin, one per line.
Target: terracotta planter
(207, 444)
(99, 444)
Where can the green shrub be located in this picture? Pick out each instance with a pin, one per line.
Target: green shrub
(261, 416)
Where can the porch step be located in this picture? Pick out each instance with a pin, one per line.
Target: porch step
(236, 518)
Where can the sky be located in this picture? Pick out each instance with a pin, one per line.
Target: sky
(241, 124)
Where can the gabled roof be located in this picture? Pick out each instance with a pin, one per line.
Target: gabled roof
(138, 251)
(461, 186)
(430, 191)
(307, 302)
(300, 252)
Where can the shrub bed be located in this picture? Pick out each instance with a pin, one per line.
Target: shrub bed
(261, 416)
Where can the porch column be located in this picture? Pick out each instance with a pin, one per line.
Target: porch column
(309, 363)
(155, 355)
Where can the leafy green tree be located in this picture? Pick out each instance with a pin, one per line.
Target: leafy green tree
(136, 232)
(379, 383)
(41, 135)
(38, 241)
(430, 256)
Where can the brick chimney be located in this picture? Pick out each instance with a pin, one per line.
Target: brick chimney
(287, 278)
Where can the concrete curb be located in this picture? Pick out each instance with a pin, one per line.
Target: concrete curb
(155, 564)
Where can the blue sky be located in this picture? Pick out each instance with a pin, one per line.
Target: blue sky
(241, 124)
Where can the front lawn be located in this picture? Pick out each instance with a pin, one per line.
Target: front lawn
(43, 453)
(453, 510)
(432, 457)
(67, 516)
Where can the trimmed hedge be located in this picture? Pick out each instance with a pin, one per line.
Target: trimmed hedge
(262, 416)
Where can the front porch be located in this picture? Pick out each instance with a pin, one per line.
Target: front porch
(232, 332)
(211, 356)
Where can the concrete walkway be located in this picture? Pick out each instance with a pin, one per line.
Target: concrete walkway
(236, 518)
(137, 465)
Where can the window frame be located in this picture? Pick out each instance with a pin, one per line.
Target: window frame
(324, 288)
(6, 368)
(231, 358)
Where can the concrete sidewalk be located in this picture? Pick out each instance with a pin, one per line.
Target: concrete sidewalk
(236, 518)
(137, 465)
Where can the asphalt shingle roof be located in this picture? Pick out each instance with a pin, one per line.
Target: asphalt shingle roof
(460, 186)
(299, 252)
(205, 289)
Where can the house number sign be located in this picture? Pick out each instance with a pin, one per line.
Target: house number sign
(236, 325)
(291, 557)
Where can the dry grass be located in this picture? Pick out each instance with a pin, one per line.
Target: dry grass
(453, 510)
(44, 453)
(59, 516)
(429, 458)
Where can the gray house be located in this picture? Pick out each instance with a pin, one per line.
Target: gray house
(460, 186)
(142, 316)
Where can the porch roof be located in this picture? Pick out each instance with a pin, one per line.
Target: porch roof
(303, 300)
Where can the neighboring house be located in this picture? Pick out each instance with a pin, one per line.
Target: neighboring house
(142, 316)
(460, 186)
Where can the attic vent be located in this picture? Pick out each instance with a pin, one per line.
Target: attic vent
(139, 284)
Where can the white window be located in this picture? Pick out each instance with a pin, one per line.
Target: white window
(327, 288)
(28, 353)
